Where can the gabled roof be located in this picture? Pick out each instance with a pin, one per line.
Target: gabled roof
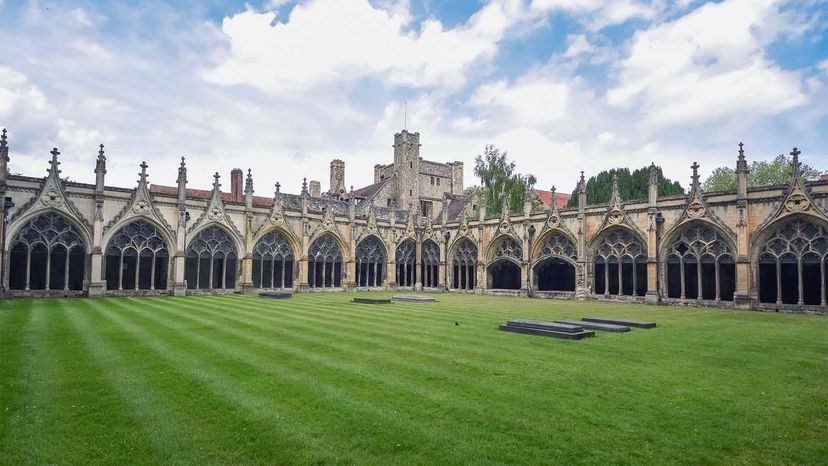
(546, 198)
(370, 190)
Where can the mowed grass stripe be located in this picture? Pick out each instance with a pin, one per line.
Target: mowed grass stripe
(170, 442)
(324, 408)
(458, 401)
(413, 366)
(226, 434)
(315, 374)
(656, 400)
(12, 377)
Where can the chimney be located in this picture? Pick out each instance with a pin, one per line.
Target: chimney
(315, 189)
(236, 185)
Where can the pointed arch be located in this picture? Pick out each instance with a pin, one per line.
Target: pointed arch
(212, 258)
(325, 261)
(430, 260)
(291, 239)
(47, 251)
(505, 246)
(619, 256)
(699, 262)
(274, 260)
(554, 263)
(370, 256)
(405, 258)
(464, 264)
(137, 256)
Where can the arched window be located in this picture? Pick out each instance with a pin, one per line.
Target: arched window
(700, 265)
(792, 264)
(464, 265)
(211, 261)
(406, 270)
(273, 262)
(503, 272)
(430, 264)
(555, 267)
(324, 264)
(137, 258)
(370, 260)
(620, 264)
(47, 254)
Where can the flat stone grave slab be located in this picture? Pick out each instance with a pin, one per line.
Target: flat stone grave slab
(371, 301)
(276, 295)
(547, 329)
(596, 325)
(413, 299)
(546, 325)
(628, 323)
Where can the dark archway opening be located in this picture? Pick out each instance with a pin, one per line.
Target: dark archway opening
(555, 274)
(600, 277)
(504, 275)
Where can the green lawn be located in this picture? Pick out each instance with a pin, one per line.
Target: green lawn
(319, 380)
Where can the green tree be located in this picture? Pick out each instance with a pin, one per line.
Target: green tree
(631, 186)
(497, 175)
(761, 173)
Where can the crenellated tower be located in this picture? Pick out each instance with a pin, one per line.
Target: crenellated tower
(407, 167)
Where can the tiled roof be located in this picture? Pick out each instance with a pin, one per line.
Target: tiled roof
(546, 198)
(205, 194)
(370, 190)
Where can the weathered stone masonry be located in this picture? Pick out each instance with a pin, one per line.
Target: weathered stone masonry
(754, 248)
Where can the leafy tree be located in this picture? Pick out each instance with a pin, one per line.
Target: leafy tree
(497, 175)
(631, 186)
(762, 173)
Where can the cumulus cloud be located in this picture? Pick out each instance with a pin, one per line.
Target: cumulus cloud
(326, 42)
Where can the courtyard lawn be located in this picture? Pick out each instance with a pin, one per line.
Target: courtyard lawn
(319, 380)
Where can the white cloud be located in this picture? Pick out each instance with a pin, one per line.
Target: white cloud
(577, 44)
(597, 14)
(531, 102)
(92, 49)
(325, 42)
(707, 65)
(80, 17)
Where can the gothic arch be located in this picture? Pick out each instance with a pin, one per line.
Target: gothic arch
(464, 264)
(166, 234)
(325, 262)
(371, 257)
(19, 223)
(698, 261)
(405, 258)
(505, 246)
(791, 257)
(46, 251)
(292, 241)
(619, 256)
(212, 258)
(273, 260)
(344, 250)
(137, 256)
(238, 242)
(555, 262)
(430, 260)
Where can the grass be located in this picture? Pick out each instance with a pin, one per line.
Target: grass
(319, 380)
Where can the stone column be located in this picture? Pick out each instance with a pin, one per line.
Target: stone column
(582, 284)
(179, 285)
(742, 295)
(653, 295)
(97, 284)
(418, 269)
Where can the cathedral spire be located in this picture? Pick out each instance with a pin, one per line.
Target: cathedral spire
(248, 189)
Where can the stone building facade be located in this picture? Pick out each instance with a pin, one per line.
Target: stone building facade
(764, 248)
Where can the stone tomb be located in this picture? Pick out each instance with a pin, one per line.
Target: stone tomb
(276, 295)
(413, 298)
(371, 301)
(628, 323)
(595, 325)
(548, 329)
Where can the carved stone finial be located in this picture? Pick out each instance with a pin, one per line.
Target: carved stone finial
(741, 162)
(143, 174)
(101, 152)
(100, 163)
(248, 183)
(4, 146)
(741, 151)
(216, 184)
(795, 161)
(615, 198)
(653, 173)
(54, 162)
(695, 168)
(582, 184)
(3, 139)
(278, 187)
(182, 172)
(304, 185)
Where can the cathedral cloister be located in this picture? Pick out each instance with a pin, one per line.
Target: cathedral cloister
(760, 248)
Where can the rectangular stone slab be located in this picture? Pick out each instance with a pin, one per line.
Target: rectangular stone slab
(596, 325)
(547, 333)
(276, 295)
(628, 323)
(546, 325)
(413, 299)
(372, 301)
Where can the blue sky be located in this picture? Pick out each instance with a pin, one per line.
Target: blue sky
(283, 87)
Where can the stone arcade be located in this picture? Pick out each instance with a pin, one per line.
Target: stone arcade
(763, 248)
